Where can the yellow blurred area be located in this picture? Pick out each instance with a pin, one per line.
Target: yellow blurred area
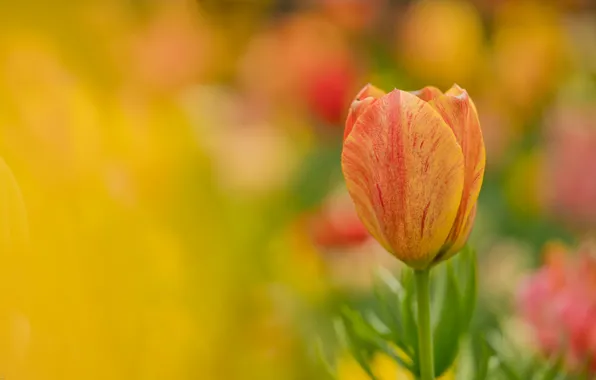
(131, 271)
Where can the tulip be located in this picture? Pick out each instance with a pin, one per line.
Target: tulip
(414, 164)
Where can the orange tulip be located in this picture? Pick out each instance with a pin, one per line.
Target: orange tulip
(414, 164)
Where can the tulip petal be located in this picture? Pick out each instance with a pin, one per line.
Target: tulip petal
(428, 93)
(404, 170)
(459, 112)
(370, 91)
(465, 234)
(365, 97)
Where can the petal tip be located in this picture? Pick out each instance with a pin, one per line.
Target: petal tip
(365, 97)
(369, 91)
(458, 92)
(427, 93)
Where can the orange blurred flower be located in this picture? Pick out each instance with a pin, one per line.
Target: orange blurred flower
(353, 15)
(529, 52)
(441, 41)
(414, 167)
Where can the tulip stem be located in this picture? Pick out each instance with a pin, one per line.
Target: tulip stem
(425, 341)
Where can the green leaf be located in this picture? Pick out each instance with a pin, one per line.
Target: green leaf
(585, 368)
(359, 325)
(363, 359)
(387, 291)
(357, 331)
(447, 332)
(410, 326)
(533, 368)
(359, 349)
(389, 295)
(554, 369)
(368, 337)
(505, 367)
(387, 350)
(328, 369)
(468, 282)
(482, 356)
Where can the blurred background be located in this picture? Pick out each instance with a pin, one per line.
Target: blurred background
(178, 161)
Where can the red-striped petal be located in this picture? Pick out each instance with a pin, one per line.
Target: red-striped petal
(364, 98)
(459, 112)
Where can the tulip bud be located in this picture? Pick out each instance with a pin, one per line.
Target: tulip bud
(414, 164)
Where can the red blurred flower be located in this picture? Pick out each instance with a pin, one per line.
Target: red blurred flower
(328, 90)
(303, 64)
(559, 303)
(350, 256)
(336, 225)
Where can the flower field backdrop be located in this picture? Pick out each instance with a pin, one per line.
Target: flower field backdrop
(172, 204)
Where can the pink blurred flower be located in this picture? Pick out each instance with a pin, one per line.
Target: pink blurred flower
(171, 50)
(569, 189)
(559, 303)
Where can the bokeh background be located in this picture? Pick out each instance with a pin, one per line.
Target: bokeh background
(178, 162)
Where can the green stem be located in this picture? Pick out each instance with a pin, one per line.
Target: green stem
(425, 340)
